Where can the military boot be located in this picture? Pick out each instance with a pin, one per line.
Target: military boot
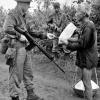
(15, 98)
(32, 96)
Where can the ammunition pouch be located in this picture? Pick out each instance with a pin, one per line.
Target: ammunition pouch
(9, 62)
(10, 56)
(4, 45)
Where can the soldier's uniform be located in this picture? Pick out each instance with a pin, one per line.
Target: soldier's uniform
(20, 68)
(59, 22)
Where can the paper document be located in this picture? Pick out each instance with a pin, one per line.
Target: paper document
(67, 33)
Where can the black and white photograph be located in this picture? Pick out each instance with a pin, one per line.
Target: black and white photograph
(49, 49)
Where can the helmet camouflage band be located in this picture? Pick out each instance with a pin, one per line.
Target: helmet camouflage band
(25, 1)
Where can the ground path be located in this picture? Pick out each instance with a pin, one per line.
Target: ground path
(48, 84)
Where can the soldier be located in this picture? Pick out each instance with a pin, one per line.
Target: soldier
(58, 23)
(19, 58)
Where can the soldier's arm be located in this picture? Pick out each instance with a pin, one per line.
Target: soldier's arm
(8, 27)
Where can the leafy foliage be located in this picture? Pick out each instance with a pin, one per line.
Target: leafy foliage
(40, 16)
(95, 15)
(2, 18)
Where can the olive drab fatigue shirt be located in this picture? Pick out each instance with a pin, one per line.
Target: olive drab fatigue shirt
(15, 17)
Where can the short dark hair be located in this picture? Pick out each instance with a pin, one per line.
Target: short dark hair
(56, 5)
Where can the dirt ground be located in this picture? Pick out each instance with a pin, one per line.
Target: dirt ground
(49, 82)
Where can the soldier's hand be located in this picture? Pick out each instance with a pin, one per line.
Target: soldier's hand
(51, 36)
(23, 38)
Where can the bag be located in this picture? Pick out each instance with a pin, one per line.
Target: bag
(9, 61)
(4, 45)
(10, 56)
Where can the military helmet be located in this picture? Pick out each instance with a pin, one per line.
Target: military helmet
(27, 1)
(56, 5)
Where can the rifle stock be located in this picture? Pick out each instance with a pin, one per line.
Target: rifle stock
(32, 43)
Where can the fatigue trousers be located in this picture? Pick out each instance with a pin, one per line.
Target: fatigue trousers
(86, 78)
(21, 71)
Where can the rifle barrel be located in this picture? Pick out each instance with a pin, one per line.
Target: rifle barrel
(31, 40)
(58, 66)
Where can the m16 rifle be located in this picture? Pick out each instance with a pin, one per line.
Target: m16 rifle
(34, 43)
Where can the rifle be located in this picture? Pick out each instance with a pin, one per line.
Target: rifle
(34, 43)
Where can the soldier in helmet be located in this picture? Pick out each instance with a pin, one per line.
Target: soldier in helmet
(19, 58)
(59, 22)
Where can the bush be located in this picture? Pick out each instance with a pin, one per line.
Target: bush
(95, 15)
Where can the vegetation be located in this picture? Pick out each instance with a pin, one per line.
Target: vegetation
(2, 18)
(44, 10)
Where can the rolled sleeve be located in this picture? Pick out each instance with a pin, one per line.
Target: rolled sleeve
(8, 26)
